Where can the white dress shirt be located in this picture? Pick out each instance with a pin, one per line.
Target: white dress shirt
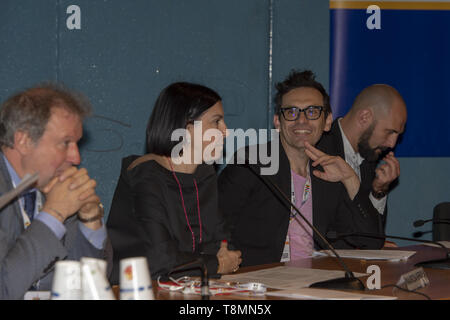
(354, 160)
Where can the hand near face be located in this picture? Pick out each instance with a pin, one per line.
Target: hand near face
(386, 173)
(69, 192)
(229, 260)
(335, 169)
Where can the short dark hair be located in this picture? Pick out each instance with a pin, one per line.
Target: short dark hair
(298, 79)
(30, 110)
(178, 105)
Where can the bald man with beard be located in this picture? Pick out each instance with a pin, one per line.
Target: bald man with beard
(367, 134)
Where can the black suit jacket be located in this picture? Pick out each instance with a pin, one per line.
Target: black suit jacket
(332, 144)
(258, 218)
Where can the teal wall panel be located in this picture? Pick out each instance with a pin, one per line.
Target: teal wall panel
(126, 52)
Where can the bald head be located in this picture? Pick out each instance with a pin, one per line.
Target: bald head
(375, 121)
(380, 98)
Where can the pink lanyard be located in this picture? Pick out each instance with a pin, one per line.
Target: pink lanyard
(184, 208)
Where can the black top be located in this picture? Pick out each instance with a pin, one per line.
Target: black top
(147, 217)
(258, 218)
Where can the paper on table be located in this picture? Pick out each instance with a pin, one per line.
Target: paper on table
(391, 255)
(26, 182)
(444, 243)
(283, 277)
(322, 294)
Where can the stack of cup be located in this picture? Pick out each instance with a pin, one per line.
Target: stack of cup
(135, 281)
(81, 280)
(94, 283)
(67, 281)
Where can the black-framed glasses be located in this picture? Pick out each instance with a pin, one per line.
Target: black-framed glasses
(293, 113)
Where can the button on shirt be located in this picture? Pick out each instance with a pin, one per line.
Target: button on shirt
(354, 160)
(95, 237)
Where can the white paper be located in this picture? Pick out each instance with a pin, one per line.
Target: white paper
(26, 182)
(390, 255)
(444, 243)
(325, 294)
(284, 277)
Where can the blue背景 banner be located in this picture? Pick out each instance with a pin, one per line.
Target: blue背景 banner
(405, 44)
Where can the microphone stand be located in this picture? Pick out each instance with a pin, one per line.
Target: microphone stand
(200, 264)
(434, 264)
(204, 282)
(349, 282)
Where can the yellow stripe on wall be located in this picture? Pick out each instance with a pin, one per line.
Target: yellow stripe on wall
(391, 5)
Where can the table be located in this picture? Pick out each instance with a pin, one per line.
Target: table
(438, 289)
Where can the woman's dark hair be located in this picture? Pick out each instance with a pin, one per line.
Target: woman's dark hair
(178, 105)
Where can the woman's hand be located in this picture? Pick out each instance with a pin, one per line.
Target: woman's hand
(229, 260)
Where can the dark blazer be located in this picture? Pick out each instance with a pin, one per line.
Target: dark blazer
(258, 219)
(332, 144)
(27, 256)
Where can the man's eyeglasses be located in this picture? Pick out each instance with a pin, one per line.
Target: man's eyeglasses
(293, 113)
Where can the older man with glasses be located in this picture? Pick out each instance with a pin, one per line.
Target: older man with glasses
(324, 188)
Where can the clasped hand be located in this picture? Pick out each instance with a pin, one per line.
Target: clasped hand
(71, 192)
(229, 260)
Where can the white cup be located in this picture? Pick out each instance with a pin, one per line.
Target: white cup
(135, 281)
(94, 284)
(67, 281)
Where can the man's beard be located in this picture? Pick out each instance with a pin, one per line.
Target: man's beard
(364, 148)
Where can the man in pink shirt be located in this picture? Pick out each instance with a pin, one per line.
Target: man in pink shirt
(324, 188)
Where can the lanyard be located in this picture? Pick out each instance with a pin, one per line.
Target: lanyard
(286, 255)
(306, 191)
(184, 208)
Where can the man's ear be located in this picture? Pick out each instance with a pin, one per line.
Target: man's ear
(365, 117)
(328, 122)
(276, 122)
(22, 142)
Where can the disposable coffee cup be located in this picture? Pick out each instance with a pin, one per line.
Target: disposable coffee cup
(135, 280)
(66, 283)
(94, 284)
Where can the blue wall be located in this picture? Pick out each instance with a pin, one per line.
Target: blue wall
(127, 51)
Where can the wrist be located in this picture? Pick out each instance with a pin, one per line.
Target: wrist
(352, 185)
(55, 213)
(98, 216)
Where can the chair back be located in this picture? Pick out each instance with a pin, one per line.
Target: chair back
(441, 230)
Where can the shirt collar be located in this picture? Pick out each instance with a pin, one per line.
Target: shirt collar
(13, 174)
(350, 154)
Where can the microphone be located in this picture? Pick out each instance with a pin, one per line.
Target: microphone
(349, 282)
(197, 263)
(419, 223)
(434, 264)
